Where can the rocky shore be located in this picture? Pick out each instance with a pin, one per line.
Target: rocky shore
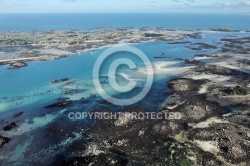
(213, 99)
(212, 96)
(18, 47)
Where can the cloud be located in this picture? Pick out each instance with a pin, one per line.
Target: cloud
(186, 5)
(246, 2)
(69, 1)
(223, 4)
(177, 0)
(121, 5)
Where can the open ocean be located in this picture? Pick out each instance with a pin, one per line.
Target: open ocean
(88, 21)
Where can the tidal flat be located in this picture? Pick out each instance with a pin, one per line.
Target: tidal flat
(202, 74)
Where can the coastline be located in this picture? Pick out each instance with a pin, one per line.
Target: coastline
(214, 127)
(206, 88)
(18, 47)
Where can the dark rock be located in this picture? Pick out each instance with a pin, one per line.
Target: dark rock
(59, 104)
(70, 83)
(4, 140)
(185, 85)
(158, 57)
(79, 161)
(68, 93)
(245, 61)
(103, 102)
(210, 160)
(103, 82)
(201, 46)
(162, 55)
(212, 69)
(237, 40)
(73, 91)
(225, 149)
(17, 114)
(152, 35)
(166, 127)
(243, 120)
(17, 65)
(230, 143)
(59, 81)
(205, 46)
(111, 159)
(197, 108)
(180, 42)
(10, 126)
(206, 55)
(192, 61)
(179, 59)
(224, 30)
(194, 36)
(64, 79)
(103, 159)
(55, 128)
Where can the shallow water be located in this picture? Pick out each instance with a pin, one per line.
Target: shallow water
(32, 84)
(29, 89)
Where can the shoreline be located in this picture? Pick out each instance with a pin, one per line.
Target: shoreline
(18, 47)
(211, 91)
(208, 131)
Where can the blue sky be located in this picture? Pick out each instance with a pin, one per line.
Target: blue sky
(124, 5)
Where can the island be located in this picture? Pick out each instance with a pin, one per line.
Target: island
(211, 91)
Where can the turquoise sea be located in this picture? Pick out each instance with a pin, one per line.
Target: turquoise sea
(29, 89)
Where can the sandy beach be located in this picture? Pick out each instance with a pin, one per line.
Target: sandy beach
(210, 90)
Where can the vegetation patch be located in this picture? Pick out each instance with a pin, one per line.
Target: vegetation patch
(237, 91)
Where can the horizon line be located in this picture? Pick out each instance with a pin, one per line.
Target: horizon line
(69, 12)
